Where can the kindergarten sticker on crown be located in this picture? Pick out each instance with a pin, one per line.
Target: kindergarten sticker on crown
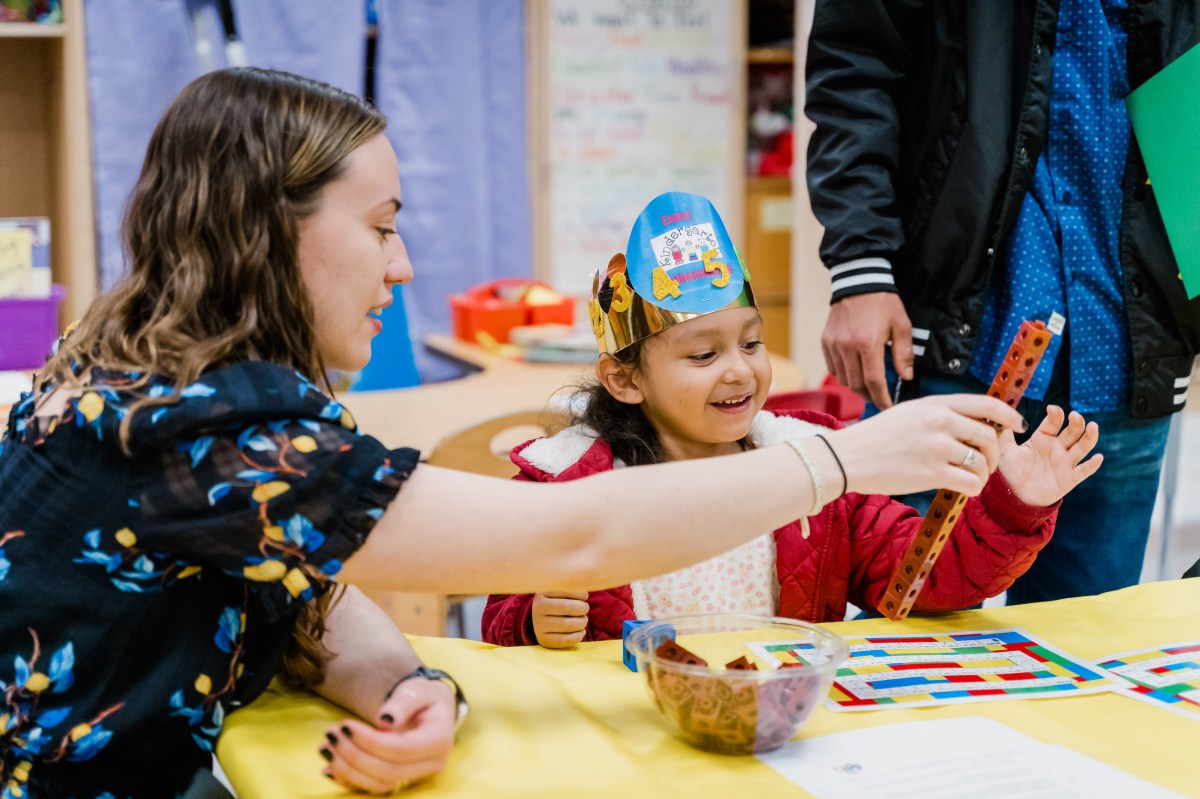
(680, 264)
(680, 257)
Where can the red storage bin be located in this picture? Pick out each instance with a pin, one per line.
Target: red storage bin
(498, 306)
(832, 398)
(28, 329)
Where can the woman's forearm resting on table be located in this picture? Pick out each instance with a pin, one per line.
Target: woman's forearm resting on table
(367, 655)
(405, 729)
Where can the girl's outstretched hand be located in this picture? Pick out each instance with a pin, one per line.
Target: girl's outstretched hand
(1043, 469)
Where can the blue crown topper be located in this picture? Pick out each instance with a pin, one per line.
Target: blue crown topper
(680, 263)
(680, 254)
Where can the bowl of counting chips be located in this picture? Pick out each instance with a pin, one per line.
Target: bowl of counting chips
(736, 684)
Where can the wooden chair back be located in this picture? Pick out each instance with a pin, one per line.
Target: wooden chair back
(481, 449)
(484, 447)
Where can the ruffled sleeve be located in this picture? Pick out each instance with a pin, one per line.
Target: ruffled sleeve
(277, 494)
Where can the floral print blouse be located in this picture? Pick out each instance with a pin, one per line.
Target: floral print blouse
(144, 595)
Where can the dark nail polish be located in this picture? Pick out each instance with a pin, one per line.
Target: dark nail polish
(346, 731)
(325, 753)
(386, 718)
(1024, 426)
(331, 738)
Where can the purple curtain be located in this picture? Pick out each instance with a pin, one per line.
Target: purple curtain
(142, 52)
(451, 78)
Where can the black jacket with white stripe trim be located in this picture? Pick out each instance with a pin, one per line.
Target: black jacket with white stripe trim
(930, 117)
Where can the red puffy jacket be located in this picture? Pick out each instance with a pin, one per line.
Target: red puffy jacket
(854, 544)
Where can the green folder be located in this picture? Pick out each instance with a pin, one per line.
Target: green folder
(1165, 113)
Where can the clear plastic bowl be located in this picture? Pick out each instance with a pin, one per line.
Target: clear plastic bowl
(730, 711)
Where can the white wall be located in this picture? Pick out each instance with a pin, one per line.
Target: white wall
(810, 279)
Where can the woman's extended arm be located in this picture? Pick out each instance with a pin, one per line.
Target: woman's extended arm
(453, 532)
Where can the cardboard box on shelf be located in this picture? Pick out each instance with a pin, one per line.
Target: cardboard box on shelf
(25, 257)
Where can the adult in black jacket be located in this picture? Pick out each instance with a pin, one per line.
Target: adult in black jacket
(934, 121)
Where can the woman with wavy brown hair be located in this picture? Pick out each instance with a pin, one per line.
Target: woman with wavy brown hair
(180, 496)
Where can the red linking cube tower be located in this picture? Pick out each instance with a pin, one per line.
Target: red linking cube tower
(1008, 385)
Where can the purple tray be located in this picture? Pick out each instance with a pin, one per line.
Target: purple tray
(28, 329)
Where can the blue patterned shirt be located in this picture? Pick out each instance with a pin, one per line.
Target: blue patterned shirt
(147, 592)
(1062, 254)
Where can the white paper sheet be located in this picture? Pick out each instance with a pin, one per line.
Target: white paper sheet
(949, 759)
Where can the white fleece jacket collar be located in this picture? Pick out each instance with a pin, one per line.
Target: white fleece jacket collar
(559, 452)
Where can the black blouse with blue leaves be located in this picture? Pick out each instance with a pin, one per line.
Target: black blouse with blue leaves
(144, 595)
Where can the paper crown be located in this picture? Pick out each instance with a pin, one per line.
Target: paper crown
(679, 264)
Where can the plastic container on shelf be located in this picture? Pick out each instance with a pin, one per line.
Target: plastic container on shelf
(28, 329)
(496, 307)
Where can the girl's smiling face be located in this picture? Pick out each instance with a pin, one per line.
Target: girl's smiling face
(701, 382)
(351, 256)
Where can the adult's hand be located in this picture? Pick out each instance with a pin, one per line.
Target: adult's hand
(932, 442)
(853, 341)
(560, 618)
(410, 740)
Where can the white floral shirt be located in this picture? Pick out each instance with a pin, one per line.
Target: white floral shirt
(742, 580)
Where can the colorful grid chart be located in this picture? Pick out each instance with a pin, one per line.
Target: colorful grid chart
(901, 671)
(1167, 676)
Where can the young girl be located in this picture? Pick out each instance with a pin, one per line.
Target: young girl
(681, 383)
(180, 497)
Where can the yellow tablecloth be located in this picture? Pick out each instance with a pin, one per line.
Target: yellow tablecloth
(577, 723)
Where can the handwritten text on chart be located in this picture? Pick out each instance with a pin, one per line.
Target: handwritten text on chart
(641, 101)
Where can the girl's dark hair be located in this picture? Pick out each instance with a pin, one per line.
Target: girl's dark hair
(623, 426)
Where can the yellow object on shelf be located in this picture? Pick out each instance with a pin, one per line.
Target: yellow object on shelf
(16, 262)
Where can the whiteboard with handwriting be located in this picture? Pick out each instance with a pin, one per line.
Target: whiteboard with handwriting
(642, 97)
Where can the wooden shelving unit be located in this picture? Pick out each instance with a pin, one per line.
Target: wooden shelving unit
(770, 55)
(767, 245)
(45, 147)
(30, 30)
(768, 253)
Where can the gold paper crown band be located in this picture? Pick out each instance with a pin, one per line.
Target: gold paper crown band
(630, 318)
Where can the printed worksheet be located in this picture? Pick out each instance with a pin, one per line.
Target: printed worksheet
(947, 668)
(950, 759)
(1166, 676)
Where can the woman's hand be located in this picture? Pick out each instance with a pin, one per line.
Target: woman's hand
(411, 740)
(1043, 469)
(560, 618)
(933, 442)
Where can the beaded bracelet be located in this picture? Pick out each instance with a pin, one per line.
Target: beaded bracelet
(818, 486)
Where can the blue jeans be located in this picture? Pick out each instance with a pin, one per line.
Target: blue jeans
(1100, 538)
